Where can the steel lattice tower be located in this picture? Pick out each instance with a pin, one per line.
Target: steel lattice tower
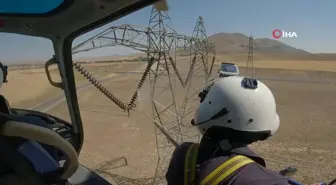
(250, 62)
(172, 86)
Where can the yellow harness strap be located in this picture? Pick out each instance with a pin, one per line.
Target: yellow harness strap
(190, 164)
(226, 169)
(218, 175)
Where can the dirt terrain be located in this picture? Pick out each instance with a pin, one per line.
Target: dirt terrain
(115, 144)
(22, 91)
(306, 135)
(123, 148)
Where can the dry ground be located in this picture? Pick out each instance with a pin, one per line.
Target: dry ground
(27, 88)
(306, 136)
(304, 65)
(305, 139)
(295, 65)
(115, 145)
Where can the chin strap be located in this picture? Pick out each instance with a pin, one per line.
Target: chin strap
(213, 147)
(225, 145)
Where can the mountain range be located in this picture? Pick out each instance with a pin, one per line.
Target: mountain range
(234, 46)
(237, 44)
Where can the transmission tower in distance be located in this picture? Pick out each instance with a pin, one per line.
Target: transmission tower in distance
(250, 62)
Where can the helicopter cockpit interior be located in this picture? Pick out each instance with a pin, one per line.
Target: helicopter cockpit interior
(38, 148)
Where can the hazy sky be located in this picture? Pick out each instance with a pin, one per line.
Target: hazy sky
(313, 22)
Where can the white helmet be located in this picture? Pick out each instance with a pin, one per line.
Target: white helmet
(238, 103)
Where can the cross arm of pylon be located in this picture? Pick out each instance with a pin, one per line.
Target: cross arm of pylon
(125, 35)
(132, 36)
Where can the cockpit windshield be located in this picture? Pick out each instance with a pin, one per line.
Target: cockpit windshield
(132, 84)
(27, 86)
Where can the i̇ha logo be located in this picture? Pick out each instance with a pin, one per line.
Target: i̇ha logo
(277, 34)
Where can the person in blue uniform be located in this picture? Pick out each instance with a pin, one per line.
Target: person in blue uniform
(234, 113)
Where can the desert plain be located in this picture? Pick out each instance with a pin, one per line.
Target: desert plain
(123, 148)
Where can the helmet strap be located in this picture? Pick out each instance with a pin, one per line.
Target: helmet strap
(216, 148)
(222, 144)
(225, 145)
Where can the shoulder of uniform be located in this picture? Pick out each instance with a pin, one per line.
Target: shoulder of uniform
(248, 152)
(182, 148)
